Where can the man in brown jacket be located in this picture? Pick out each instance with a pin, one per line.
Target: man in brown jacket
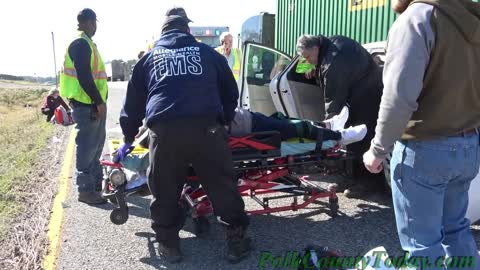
(431, 108)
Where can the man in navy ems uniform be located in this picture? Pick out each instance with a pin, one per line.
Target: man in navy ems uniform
(187, 93)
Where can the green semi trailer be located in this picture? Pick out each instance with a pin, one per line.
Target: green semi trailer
(365, 21)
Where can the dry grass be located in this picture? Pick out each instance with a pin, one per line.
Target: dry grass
(29, 166)
(23, 135)
(26, 95)
(26, 244)
(27, 181)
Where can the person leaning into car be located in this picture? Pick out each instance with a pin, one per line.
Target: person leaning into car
(429, 115)
(348, 76)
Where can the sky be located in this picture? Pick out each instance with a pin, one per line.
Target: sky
(123, 27)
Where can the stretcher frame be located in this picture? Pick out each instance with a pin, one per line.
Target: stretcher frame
(262, 171)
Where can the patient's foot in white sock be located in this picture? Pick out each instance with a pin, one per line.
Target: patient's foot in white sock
(353, 134)
(338, 121)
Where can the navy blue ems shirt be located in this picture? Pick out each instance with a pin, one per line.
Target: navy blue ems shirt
(178, 78)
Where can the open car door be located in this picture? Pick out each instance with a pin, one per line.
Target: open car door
(270, 83)
(301, 97)
(260, 64)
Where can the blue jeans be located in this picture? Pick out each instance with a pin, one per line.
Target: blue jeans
(430, 183)
(89, 146)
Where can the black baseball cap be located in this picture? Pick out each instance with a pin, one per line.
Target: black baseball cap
(179, 11)
(174, 22)
(86, 14)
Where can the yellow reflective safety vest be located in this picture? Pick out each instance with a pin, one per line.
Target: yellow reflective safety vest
(236, 61)
(70, 86)
(303, 66)
(150, 46)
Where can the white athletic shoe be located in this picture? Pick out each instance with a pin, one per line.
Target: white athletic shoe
(338, 121)
(353, 134)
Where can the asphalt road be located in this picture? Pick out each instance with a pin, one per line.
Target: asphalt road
(91, 241)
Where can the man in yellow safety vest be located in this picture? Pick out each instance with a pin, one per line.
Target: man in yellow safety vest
(231, 54)
(83, 81)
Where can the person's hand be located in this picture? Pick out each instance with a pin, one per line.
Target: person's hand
(372, 163)
(122, 152)
(310, 74)
(101, 109)
(141, 130)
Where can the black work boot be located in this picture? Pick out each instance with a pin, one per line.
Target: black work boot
(91, 198)
(171, 254)
(238, 245)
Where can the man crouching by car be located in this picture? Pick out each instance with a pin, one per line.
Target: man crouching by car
(348, 76)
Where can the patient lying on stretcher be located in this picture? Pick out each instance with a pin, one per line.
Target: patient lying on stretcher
(246, 122)
(331, 132)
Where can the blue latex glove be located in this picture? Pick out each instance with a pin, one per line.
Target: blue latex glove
(122, 152)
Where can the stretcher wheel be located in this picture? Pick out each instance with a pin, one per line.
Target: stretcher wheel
(119, 216)
(202, 226)
(333, 206)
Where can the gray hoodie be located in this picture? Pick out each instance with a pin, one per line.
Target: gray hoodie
(410, 43)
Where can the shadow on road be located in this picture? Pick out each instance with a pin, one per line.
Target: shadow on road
(153, 259)
(373, 190)
(137, 206)
(281, 234)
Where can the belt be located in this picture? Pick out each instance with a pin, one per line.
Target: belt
(75, 103)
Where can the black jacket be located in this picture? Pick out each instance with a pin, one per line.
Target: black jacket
(179, 78)
(348, 75)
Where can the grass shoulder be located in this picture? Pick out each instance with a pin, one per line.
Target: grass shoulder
(23, 137)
